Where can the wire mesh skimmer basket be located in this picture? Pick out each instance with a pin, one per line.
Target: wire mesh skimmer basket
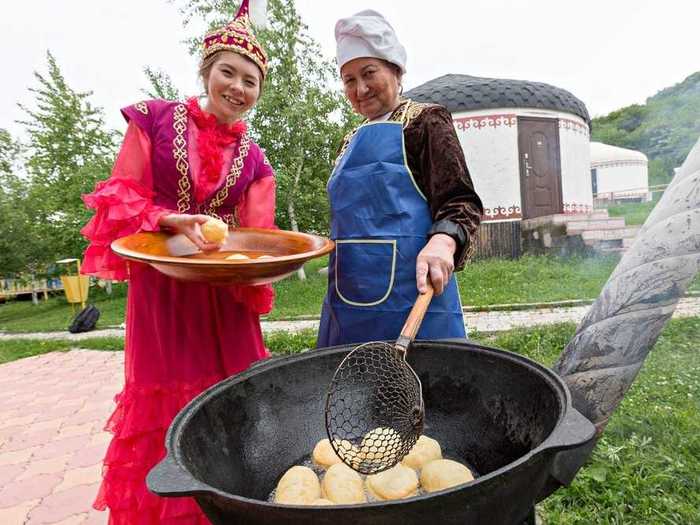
(374, 407)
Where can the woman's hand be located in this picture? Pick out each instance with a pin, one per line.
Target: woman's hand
(190, 227)
(437, 260)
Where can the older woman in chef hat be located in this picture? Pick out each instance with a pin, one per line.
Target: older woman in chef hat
(404, 212)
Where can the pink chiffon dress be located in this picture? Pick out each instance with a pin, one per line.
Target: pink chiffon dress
(181, 337)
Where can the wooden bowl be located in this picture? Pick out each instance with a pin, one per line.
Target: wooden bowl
(273, 255)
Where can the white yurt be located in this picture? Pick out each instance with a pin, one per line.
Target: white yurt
(619, 174)
(527, 149)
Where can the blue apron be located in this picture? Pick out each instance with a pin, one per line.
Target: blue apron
(379, 222)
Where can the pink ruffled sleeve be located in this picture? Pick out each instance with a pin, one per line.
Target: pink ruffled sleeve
(257, 207)
(257, 210)
(123, 205)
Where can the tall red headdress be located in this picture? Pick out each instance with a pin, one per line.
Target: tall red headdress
(238, 35)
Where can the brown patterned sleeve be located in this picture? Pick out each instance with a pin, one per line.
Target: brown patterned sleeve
(437, 162)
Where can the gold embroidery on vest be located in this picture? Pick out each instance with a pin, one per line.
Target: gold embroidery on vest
(232, 177)
(180, 156)
(230, 218)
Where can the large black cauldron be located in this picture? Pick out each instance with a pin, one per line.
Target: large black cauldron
(505, 415)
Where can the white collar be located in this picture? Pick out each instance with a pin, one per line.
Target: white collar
(383, 118)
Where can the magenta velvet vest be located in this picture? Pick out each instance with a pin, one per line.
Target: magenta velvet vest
(166, 124)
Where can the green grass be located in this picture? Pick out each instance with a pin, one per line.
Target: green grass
(695, 285)
(295, 298)
(279, 343)
(635, 213)
(531, 279)
(541, 343)
(56, 314)
(287, 343)
(13, 349)
(645, 468)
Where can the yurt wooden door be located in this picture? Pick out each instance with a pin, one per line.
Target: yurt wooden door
(540, 167)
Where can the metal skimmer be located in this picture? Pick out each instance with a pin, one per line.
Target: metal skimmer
(374, 406)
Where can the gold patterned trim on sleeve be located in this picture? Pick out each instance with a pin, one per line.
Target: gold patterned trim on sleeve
(409, 111)
(141, 107)
(180, 156)
(232, 177)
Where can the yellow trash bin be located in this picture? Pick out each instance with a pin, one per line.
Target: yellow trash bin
(76, 287)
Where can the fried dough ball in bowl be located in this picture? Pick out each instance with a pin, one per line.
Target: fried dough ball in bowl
(214, 231)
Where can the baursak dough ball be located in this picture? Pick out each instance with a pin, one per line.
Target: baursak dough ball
(343, 485)
(396, 483)
(237, 257)
(444, 473)
(214, 231)
(380, 444)
(424, 451)
(298, 486)
(323, 455)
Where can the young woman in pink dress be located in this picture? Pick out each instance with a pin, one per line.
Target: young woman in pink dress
(180, 164)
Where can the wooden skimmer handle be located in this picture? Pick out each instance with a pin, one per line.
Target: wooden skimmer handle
(415, 318)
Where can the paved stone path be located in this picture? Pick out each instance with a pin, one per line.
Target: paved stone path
(480, 321)
(497, 321)
(53, 408)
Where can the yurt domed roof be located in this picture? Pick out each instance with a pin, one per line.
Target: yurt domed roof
(601, 153)
(467, 93)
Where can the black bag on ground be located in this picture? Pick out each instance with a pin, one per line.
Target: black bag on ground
(85, 320)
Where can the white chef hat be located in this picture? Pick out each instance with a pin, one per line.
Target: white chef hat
(368, 34)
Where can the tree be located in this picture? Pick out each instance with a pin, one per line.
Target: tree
(13, 241)
(68, 151)
(9, 153)
(22, 238)
(300, 119)
(162, 86)
(665, 128)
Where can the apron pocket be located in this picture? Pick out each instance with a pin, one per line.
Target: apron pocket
(364, 270)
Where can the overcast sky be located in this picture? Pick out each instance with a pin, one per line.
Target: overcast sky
(609, 53)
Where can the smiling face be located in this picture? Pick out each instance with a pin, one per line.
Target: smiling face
(233, 85)
(372, 86)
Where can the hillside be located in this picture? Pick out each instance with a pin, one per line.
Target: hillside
(665, 128)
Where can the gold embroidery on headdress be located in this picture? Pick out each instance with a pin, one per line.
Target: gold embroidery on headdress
(237, 36)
